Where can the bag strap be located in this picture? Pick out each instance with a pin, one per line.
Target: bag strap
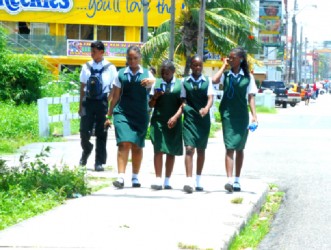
(90, 68)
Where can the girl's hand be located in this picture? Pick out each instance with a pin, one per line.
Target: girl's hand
(107, 123)
(203, 112)
(147, 82)
(172, 122)
(226, 61)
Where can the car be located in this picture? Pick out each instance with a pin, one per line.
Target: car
(278, 88)
(293, 97)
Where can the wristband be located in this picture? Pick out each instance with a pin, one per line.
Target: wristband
(108, 117)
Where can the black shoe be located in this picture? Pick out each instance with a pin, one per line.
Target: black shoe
(156, 187)
(85, 156)
(228, 187)
(167, 187)
(135, 183)
(118, 184)
(236, 187)
(199, 189)
(98, 168)
(188, 189)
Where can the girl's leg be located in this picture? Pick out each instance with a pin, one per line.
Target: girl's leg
(239, 164)
(189, 169)
(229, 169)
(137, 156)
(158, 162)
(170, 161)
(200, 163)
(122, 160)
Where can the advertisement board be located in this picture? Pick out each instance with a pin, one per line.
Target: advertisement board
(99, 12)
(113, 49)
(270, 14)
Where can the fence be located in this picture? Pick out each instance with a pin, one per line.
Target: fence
(65, 117)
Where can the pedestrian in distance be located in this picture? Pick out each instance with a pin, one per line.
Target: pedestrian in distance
(96, 79)
(239, 88)
(166, 123)
(307, 94)
(197, 93)
(129, 108)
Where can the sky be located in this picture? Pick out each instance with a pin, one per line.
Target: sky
(315, 21)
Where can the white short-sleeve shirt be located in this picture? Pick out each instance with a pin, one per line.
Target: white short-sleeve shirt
(210, 90)
(128, 71)
(251, 88)
(108, 75)
(163, 83)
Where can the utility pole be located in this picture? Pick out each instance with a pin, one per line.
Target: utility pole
(306, 41)
(300, 56)
(201, 34)
(172, 31)
(295, 51)
(145, 28)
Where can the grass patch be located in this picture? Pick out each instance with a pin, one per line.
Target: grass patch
(19, 125)
(214, 128)
(34, 187)
(259, 225)
(237, 200)
(191, 247)
(265, 110)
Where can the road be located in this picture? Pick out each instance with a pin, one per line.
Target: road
(293, 149)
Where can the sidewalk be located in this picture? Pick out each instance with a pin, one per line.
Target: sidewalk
(139, 218)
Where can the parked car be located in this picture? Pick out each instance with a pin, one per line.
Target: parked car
(293, 97)
(278, 88)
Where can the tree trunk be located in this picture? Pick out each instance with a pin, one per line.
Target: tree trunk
(188, 62)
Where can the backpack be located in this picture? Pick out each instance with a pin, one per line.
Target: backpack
(94, 85)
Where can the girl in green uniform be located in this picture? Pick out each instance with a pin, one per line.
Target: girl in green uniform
(197, 92)
(166, 123)
(129, 107)
(239, 87)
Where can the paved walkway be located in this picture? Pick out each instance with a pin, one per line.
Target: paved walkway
(139, 218)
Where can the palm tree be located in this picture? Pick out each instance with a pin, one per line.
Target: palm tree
(228, 24)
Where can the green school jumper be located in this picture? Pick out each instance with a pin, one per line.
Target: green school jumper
(234, 112)
(130, 113)
(196, 128)
(167, 140)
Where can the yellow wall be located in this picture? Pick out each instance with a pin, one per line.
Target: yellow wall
(98, 12)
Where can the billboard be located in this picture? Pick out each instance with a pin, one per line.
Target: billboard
(113, 49)
(270, 14)
(99, 12)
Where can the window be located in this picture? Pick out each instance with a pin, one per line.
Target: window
(103, 33)
(117, 33)
(77, 31)
(39, 28)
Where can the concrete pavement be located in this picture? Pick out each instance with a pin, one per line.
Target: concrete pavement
(139, 218)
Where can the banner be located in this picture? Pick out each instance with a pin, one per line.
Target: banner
(112, 49)
(270, 16)
(98, 12)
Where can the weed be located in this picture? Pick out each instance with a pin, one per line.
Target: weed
(237, 200)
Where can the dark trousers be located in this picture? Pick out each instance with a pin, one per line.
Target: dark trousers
(96, 111)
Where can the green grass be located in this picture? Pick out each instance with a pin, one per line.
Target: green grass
(259, 225)
(19, 125)
(265, 110)
(237, 200)
(215, 127)
(34, 187)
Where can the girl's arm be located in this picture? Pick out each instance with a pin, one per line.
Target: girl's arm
(204, 111)
(173, 120)
(251, 102)
(217, 77)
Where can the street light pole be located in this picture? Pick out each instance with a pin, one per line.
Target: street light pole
(145, 28)
(172, 31)
(300, 56)
(201, 34)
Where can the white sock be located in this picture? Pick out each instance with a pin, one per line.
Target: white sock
(197, 180)
(158, 181)
(237, 179)
(120, 177)
(189, 181)
(134, 176)
(167, 181)
(230, 180)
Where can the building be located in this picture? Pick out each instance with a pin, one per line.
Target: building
(62, 30)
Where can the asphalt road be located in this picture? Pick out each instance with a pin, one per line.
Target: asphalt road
(293, 149)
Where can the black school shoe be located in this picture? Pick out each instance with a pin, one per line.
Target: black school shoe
(85, 156)
(98, 168)
(236, 187)
(229, 187)
(135, 183)
(198, 189)
(188, 189)
(118, 184)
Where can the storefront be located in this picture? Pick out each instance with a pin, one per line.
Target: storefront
(62, 29)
